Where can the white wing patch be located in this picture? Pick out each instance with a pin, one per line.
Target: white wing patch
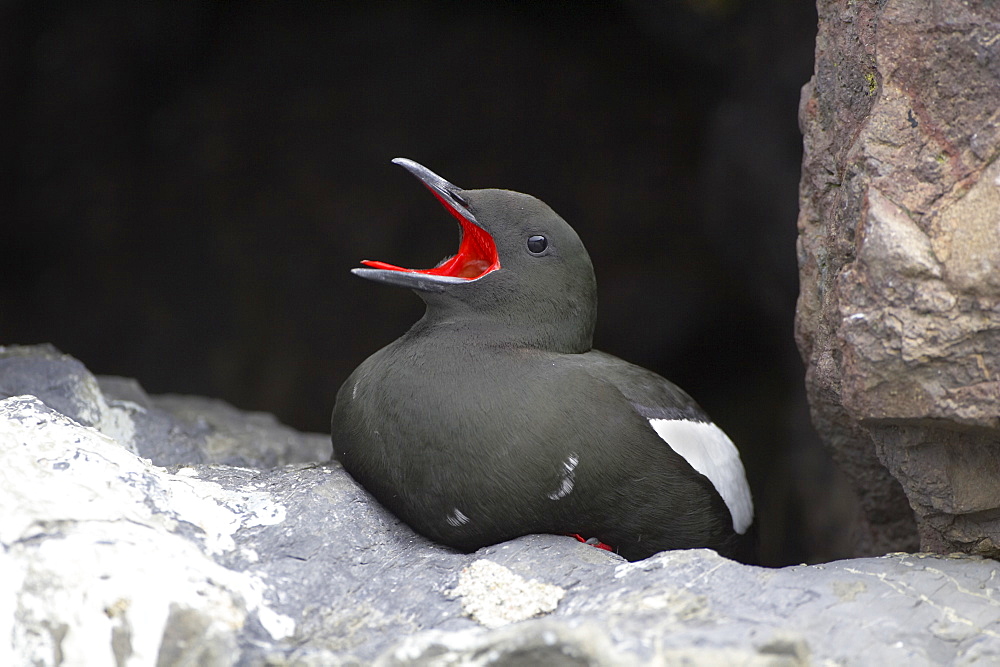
(710, 451)
(566, 485)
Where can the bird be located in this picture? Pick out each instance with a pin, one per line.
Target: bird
(493, 417)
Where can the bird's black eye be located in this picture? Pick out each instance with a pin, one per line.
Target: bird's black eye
(537, 244)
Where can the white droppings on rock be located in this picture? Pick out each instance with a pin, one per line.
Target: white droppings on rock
(494, 596)
(93, 478)
(144, 573)
(11, 583)
(117, 422)
(92, 526)
(277, 625)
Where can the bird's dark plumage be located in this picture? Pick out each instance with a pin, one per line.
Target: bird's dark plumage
(493, 418)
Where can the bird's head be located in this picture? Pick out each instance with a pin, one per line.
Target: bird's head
(519, 268)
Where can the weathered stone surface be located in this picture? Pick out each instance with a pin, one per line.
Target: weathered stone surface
(899, 254)
(110, 559)
(165, 429)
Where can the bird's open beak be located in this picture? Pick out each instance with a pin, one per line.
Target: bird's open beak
(477, 252)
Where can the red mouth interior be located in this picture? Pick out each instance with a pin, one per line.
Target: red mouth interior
(476, 256)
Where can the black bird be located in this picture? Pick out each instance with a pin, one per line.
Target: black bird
(492, 417)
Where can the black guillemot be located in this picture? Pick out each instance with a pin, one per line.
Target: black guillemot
(492, 417)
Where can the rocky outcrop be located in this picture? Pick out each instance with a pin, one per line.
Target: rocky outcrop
(109, 558)
(164, 429)
(899, 255)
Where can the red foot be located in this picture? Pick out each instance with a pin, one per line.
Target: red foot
(594, 542)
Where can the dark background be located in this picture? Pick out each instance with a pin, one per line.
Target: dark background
(186, 186)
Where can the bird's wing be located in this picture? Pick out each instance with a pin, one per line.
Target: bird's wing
(681, 423)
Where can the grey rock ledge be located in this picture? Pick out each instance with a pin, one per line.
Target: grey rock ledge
(109, 558)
